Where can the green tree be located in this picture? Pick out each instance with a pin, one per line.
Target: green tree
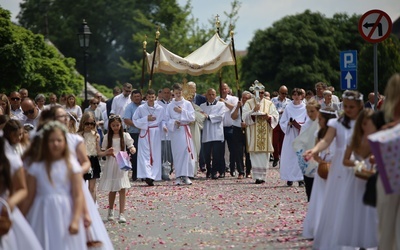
(295, 51)
(388, 64)
(29, 61)
(118, 29)
(300, 50)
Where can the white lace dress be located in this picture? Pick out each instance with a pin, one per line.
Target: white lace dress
(114, 179)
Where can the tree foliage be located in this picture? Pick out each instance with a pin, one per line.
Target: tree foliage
(28, 61)
(303, 49)
(118, 30)
(388, 64)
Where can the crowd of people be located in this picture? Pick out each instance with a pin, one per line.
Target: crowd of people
(53, 155)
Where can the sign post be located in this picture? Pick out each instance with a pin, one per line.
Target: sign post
(348, 69)
(375, 26)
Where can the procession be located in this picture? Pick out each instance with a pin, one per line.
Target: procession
(182, 153)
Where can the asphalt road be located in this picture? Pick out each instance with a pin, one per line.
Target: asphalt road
(211, 214)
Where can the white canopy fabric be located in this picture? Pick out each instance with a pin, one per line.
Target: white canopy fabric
(207, 59)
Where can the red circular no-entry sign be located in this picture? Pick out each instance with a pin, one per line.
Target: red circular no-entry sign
(375, 26)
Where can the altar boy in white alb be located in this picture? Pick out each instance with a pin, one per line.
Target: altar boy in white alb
(149, 118)
(213, 135)
(294, 116)
(179, 114)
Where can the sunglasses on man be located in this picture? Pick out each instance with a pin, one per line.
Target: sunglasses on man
(29, 112)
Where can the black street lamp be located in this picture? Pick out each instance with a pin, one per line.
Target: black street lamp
(84, 36)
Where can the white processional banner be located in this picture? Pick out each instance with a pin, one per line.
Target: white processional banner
(207, 59)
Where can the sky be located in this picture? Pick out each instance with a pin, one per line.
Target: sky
(261, 14)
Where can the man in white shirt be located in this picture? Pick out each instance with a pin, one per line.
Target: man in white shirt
(213, 135)
(230, 102)
(31, 112)
(335, 98)
(52, 101)
(15, 104)
(121, 101)
(102, 105)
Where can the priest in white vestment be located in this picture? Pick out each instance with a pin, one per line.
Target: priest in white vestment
(293, 117)
(259, 133)
(149, 118)
(179, 114)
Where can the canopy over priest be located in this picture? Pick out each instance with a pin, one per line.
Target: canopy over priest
(261, 117)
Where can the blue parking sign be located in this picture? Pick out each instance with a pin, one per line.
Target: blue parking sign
(348, 69)
(348, 79)
(348, 60)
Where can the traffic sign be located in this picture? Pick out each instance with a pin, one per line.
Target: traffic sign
(348, 60)
(348, 79)
(348, 69)
(375, 26)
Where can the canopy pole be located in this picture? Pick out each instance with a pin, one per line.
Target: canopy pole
(143, 63)
(154, 56)
(218, 24)
(234, 57)
(239, 93)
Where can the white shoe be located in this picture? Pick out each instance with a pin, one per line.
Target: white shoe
(187, 180)
(121, 218)
(178, 181)
(110, 215)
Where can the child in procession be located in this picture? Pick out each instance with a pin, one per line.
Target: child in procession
(87, 129)
(329, 227)
(114, 179)
(179, 114)
(55, 199)
(13, 191)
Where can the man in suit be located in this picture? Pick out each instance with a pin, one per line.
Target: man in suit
(371, 101)
(198, 99)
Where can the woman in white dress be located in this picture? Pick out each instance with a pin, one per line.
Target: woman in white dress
(179, 114)
(13, 190)
(55, 198)
(329, 226)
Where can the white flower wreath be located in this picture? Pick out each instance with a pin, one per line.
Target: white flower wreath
(50, 125)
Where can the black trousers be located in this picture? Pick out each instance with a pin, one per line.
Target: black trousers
(216, 150)
(247, 155)
(135, 137)
(238, 141)
(228, 135)
(202, 161)
(308, 181)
